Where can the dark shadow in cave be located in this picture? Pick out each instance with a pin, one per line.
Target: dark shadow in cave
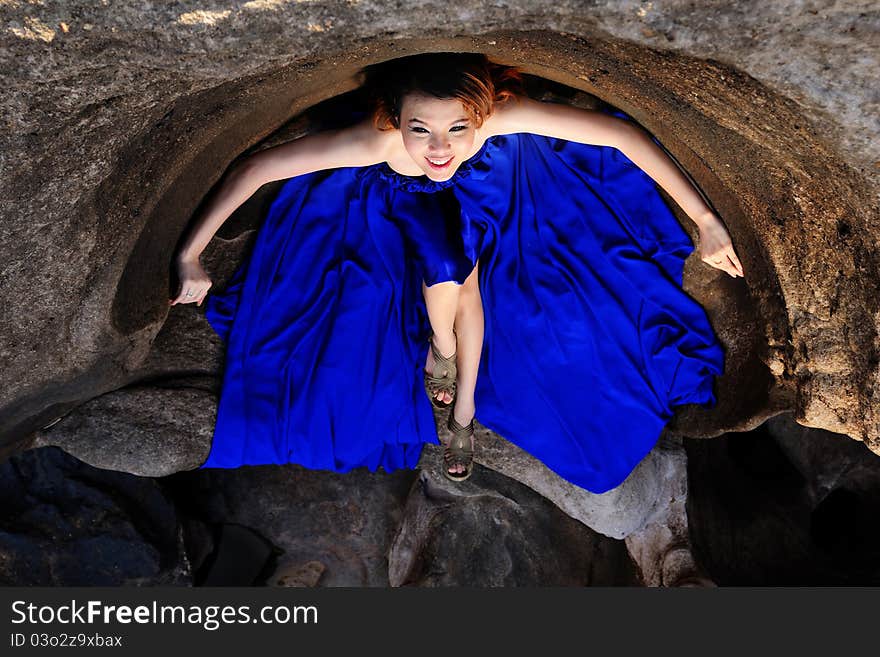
(760, 512)
(844, 525)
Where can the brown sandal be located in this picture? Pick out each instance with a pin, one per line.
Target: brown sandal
(436, 382)
(459, 450)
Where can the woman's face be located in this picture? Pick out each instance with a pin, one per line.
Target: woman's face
(437, 133)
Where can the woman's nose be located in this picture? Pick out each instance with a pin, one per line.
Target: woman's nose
(438, 144)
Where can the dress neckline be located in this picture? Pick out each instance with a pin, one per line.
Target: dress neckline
(423, 183)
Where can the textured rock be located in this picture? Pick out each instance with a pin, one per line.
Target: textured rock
(64, 523)
(404, 528)
(823, 55)
(616, 514)
(492, 531)
(661, 548)
(330, 529)
(149, 431)
(647, 509)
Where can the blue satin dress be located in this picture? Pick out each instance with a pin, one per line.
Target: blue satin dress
(590, 342)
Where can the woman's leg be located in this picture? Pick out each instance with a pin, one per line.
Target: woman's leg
(461, 306)
(441, 301)
(469, 329)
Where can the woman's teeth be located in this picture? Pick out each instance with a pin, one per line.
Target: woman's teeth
(439, 164)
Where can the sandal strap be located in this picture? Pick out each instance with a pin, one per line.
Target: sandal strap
(442, 363)
(435, 384)
(459, 450)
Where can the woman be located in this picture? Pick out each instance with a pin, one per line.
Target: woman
(475, 195)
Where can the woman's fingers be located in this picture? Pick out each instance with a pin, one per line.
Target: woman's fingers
(731, 263)
(191, 295)
(194, 283)
(730, 269)
(726, 261)
(182, 296)
(716, 244)
(736, 263)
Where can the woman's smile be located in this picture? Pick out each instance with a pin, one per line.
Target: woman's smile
(440, 164)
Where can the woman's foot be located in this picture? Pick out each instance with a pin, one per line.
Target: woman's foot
(458, 453)
(445, 346)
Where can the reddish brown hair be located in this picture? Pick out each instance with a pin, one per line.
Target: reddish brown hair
(471, 78)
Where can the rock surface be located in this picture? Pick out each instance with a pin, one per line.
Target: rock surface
(492, 531)
(330, 529)
(617, 513)
(64, 523)
(406, 528)
(780, 505)
(661, 547)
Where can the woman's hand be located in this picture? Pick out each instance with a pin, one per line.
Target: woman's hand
(194, 282)
(716, 248)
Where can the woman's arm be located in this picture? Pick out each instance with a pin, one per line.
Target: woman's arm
(359, 145)
(601, 129)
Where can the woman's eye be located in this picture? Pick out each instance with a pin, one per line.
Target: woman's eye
(420, 130)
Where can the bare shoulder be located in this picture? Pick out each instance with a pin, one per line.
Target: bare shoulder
(358, 145)
(524, 114)
(502, 120)
(515, 114)
(363, 144)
